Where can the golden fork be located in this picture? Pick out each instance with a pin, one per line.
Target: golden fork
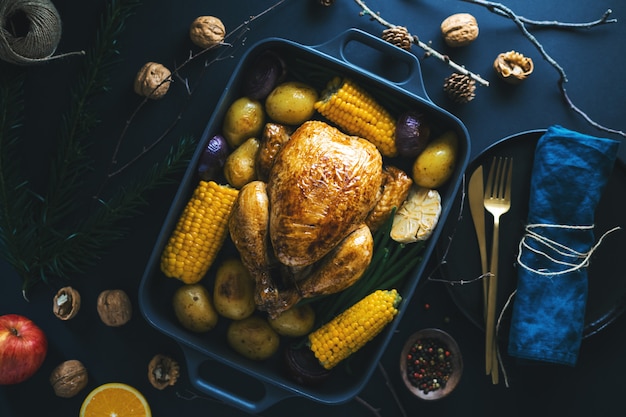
(497, 201)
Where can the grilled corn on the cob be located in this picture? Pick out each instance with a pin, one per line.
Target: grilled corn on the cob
(356, 112)
(352, 329)
(199, 233)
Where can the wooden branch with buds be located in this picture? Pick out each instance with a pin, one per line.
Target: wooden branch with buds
(430, 51)
(521, 23)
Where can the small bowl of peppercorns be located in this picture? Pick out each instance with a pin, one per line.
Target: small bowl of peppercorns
(431, 364)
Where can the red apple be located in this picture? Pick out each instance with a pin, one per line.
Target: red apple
(23, 347)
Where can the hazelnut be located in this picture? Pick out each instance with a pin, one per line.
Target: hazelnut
(207, 31)
(69, 378)
(513, 67)
(66, 303)
(459, 29)
(163, 371)
(152, 80)
(114, 307)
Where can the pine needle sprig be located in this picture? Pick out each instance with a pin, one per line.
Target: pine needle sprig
(72, 161)
(74, 250)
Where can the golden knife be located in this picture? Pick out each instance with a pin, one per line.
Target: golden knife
(477, 209)
(476, 195)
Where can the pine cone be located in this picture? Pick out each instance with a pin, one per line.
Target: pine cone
(399, 36)
(460, 88)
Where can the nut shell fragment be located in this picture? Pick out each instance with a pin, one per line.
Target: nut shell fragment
(152, 80)
(66, 303)
(69, 378)
(206, 31)
(513, 67)
(163, 371)
(114, 307)
(459, 29)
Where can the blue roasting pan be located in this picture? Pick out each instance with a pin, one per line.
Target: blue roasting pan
(393, 76)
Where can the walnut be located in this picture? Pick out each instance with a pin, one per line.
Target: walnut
(207, 31)
(114, 307)
(163, 371)
(459, 29)
(152, 80)
(513, 67)
(66, 303)
(69, 378)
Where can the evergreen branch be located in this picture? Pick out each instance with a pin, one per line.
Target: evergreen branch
(72, 162)
(74, 250)
(13, 198)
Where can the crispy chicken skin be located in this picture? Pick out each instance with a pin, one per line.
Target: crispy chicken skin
(322, 186)
(303, 233)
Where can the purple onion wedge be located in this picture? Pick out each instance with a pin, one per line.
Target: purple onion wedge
(213, 158)
(412, 133)
(265, 73)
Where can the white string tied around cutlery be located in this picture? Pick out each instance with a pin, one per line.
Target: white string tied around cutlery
(579, 259)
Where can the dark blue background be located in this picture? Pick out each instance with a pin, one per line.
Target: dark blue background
(593, 59)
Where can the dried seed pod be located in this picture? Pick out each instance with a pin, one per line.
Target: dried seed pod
(66, 303)
(163, 371)
(69, 378)
(206, 31)
(513, 67)
(459, 29)
(399, 36)
(152, 80)
(114, 307)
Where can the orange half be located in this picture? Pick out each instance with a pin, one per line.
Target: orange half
(115, 399)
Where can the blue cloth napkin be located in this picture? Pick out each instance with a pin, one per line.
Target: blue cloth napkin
(569, 174)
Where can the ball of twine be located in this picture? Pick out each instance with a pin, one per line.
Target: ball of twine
(30, 31)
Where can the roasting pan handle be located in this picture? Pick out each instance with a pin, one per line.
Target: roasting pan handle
(265, 394)
(392, 65)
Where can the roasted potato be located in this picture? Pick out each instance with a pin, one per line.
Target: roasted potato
(297, 321)
(240, 166)
(244, 119)
(253, 338)
(233, 293)
(194, 309)
(435, 164)
(291, 103)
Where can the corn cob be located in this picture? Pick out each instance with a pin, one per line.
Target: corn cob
(352, 329)
(199, 233)
(356, 112)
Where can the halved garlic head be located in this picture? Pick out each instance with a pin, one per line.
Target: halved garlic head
(417, 217)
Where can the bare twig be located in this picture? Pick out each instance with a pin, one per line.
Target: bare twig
(235, 36)
(383, 371)
(367, 405)
(560, 25)
(521, 24)
(430, 51)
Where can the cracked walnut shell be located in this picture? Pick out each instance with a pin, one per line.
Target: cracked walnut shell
(69, 378)
(513, 67)
(163, 371)
(459, 29)
(206, 31)
(152, 80)
(66, 303)
(114, 307)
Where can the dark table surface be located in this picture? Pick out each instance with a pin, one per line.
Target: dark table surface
(593, 59)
